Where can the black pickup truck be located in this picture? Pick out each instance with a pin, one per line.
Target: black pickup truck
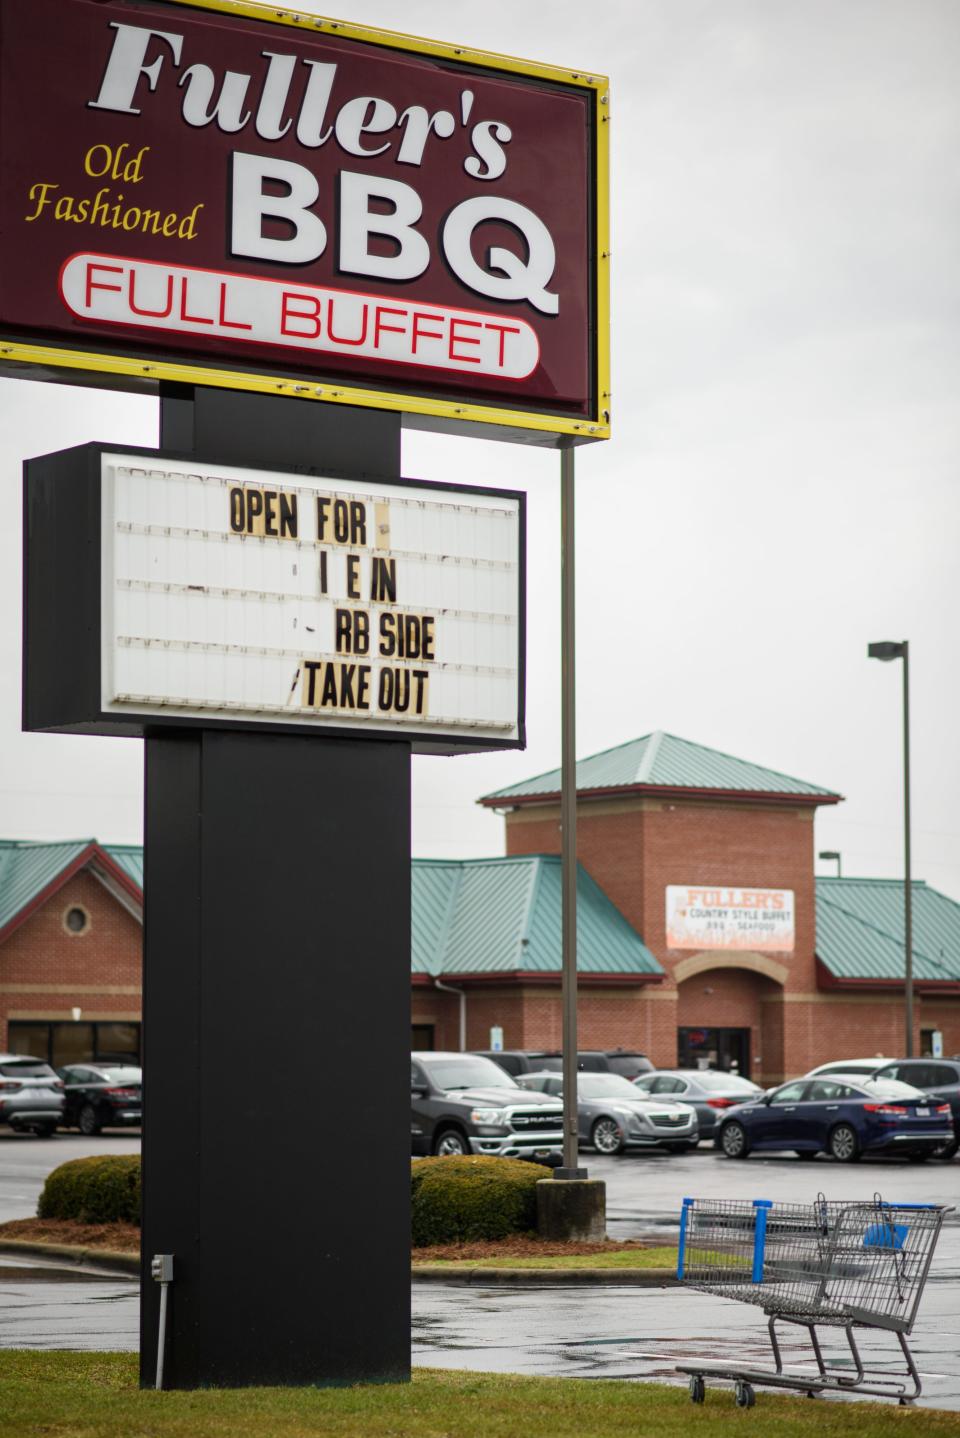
(462, 1103)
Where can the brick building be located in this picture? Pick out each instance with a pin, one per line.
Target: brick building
(71, 920)
(703, 934)
(711, 860)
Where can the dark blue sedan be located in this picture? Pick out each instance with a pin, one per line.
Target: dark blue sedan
(845, 1117)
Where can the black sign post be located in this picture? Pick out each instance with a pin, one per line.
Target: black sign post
(276, 1159)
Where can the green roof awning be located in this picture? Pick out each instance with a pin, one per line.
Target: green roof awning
(662, 761)
(491, 916)
(860, 931)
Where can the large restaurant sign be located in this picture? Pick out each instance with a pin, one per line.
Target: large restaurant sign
(223, 193)
(168, 592)
(729, 917)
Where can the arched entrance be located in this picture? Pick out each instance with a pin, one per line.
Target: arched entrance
(730, 1014)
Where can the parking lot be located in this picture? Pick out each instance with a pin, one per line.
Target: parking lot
(630, 1333)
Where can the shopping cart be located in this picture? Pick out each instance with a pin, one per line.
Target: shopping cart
(842, 1265)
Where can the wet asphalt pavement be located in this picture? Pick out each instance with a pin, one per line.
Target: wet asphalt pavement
(617, 1332)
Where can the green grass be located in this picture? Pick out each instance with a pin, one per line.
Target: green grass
(631, 1258)
(80, 1395)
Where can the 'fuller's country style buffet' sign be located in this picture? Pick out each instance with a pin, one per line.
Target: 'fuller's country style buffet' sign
(729, 917)
(187, 192)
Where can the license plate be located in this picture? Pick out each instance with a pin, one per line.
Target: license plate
(923, 1113)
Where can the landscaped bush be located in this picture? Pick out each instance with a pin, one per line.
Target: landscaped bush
(94, 1190)
(460, 1200)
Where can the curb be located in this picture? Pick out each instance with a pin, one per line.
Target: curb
(129, 1263)
(545, 1277)
(104, 1258)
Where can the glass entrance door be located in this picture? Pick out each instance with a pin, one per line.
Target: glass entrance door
(725, 1049)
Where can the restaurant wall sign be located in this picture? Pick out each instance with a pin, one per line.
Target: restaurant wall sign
(224, 194)
(729, 916)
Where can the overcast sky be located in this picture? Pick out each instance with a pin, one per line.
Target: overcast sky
(782, 485)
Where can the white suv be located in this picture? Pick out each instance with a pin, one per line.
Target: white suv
(863, 1067)
(31, 1095)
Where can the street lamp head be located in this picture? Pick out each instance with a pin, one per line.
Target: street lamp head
(887, 649)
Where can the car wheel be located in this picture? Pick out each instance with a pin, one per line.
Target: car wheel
(949, 1150)
(844, 1144)
(87, 1122)
(607, 1136)
(450, 1143)
(733, 1140)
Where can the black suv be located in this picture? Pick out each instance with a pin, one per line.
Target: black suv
(463, 1103)
(625, 1062)
(940, 1078)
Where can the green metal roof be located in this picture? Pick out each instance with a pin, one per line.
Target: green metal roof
(860, 930)
(468, 915)
(503, 916)
(28, 868)
(129, 858)
(662, 761)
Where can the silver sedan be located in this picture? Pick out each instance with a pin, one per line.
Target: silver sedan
(614, 1115)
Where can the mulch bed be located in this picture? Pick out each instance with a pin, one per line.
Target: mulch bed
(518, 1246)
(118, 1237)
(125, 1238)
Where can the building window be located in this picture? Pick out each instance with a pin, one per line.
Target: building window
(76, 920)
(69, 1043)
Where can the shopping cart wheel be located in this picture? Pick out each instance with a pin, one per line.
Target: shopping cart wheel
(698, 1389)
(744, 1395)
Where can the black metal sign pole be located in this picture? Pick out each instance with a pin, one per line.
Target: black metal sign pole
(568, 813)
(277, 883)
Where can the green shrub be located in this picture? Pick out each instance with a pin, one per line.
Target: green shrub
(461, 1200)
(94, 1190)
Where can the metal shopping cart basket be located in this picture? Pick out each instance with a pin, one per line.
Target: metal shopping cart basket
(845, 1265)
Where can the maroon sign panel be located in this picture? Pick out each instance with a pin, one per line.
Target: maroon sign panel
(190, 185)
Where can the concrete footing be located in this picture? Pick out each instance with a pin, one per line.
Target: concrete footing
(572, 1209)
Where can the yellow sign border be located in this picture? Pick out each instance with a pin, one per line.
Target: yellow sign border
(594, 428)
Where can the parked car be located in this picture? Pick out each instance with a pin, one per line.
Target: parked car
(465, 1103)
(613, 1115)
(626, 1062)
(31, 1095)
(100, 1096)
(518, 1061)
(864, 1068)
(613, 1061)
(843, 1117)
(706, 1090)
(940, 1078)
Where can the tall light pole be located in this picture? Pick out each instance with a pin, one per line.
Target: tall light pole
(836, 856)
(886, 650)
